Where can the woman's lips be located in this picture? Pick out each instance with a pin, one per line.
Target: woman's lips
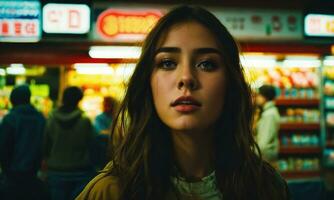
(186, 104)
(186, 108)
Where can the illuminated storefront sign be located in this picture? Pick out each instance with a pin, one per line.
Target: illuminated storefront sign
(66, 18)
(320, 25)
(20, 21)
(126, 25)
(262, 24)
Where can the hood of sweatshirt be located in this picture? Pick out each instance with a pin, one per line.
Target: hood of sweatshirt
(24, 109)
(67, 119)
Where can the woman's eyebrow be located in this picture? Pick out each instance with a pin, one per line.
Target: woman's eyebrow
(207, 50)
(168, 50)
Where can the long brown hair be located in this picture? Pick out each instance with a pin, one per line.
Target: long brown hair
(143, 160)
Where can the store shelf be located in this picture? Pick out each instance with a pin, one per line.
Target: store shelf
(299, 126)
(300, 150)
(328, 95)
(329, 108)
(329, 126)
(330, 143)
(297, 102)
(301, 174)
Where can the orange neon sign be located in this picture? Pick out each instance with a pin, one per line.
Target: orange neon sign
(113, 23)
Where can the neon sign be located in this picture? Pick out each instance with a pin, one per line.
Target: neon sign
(319, 25)
(113, 24)
(20, 21)
(66, 18)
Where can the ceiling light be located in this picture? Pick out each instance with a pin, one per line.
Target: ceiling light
(16, 69)
(302, 63)
(128, 52)
(254, 61)
(90, 65)
(93, 68)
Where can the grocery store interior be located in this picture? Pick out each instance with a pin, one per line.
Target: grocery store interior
(54, 46)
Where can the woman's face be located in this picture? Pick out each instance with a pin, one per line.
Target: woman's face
(188, 80)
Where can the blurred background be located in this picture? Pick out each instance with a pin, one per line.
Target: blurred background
(94, 45)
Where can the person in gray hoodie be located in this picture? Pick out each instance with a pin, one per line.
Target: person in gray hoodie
(21, 138)
(69, 136)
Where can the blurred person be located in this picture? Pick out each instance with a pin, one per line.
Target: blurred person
(102, 126)
(21, 138)
(69, 135)
(103, 120)
(267, 126)
(185, 121)
(257, 111)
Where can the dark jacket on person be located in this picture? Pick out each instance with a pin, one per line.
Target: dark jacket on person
(21, 139)
(68, 138)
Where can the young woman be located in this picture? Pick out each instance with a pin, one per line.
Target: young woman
(186, 120)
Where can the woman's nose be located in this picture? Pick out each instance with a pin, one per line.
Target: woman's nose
(187, 79)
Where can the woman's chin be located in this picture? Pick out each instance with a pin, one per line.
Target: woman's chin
(187, 127)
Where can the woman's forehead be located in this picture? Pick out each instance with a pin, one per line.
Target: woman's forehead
(185, 34)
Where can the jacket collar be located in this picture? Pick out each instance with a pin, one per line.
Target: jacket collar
(268, 104)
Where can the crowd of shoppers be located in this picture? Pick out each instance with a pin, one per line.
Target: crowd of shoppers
(53, 158)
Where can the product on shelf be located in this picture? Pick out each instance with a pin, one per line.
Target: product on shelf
(329, 87)
(298, 101)
(299, 164)
(297, 93)
(299, 140)
(283, 77)
(328, 153)
(329, 157)
(330, 118)
(328, 72)
(300, 115)
(329, 102)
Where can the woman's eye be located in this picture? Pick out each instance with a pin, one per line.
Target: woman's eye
(207, 65)
(167, 64)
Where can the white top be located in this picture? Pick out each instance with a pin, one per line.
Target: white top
(205, 189)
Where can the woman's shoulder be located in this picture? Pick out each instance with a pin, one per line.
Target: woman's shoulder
(276, 181)
(103, 187)
(271, 172)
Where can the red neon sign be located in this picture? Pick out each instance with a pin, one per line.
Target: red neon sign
(112, 23)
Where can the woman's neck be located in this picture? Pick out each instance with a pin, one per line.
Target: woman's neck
(193, 154)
